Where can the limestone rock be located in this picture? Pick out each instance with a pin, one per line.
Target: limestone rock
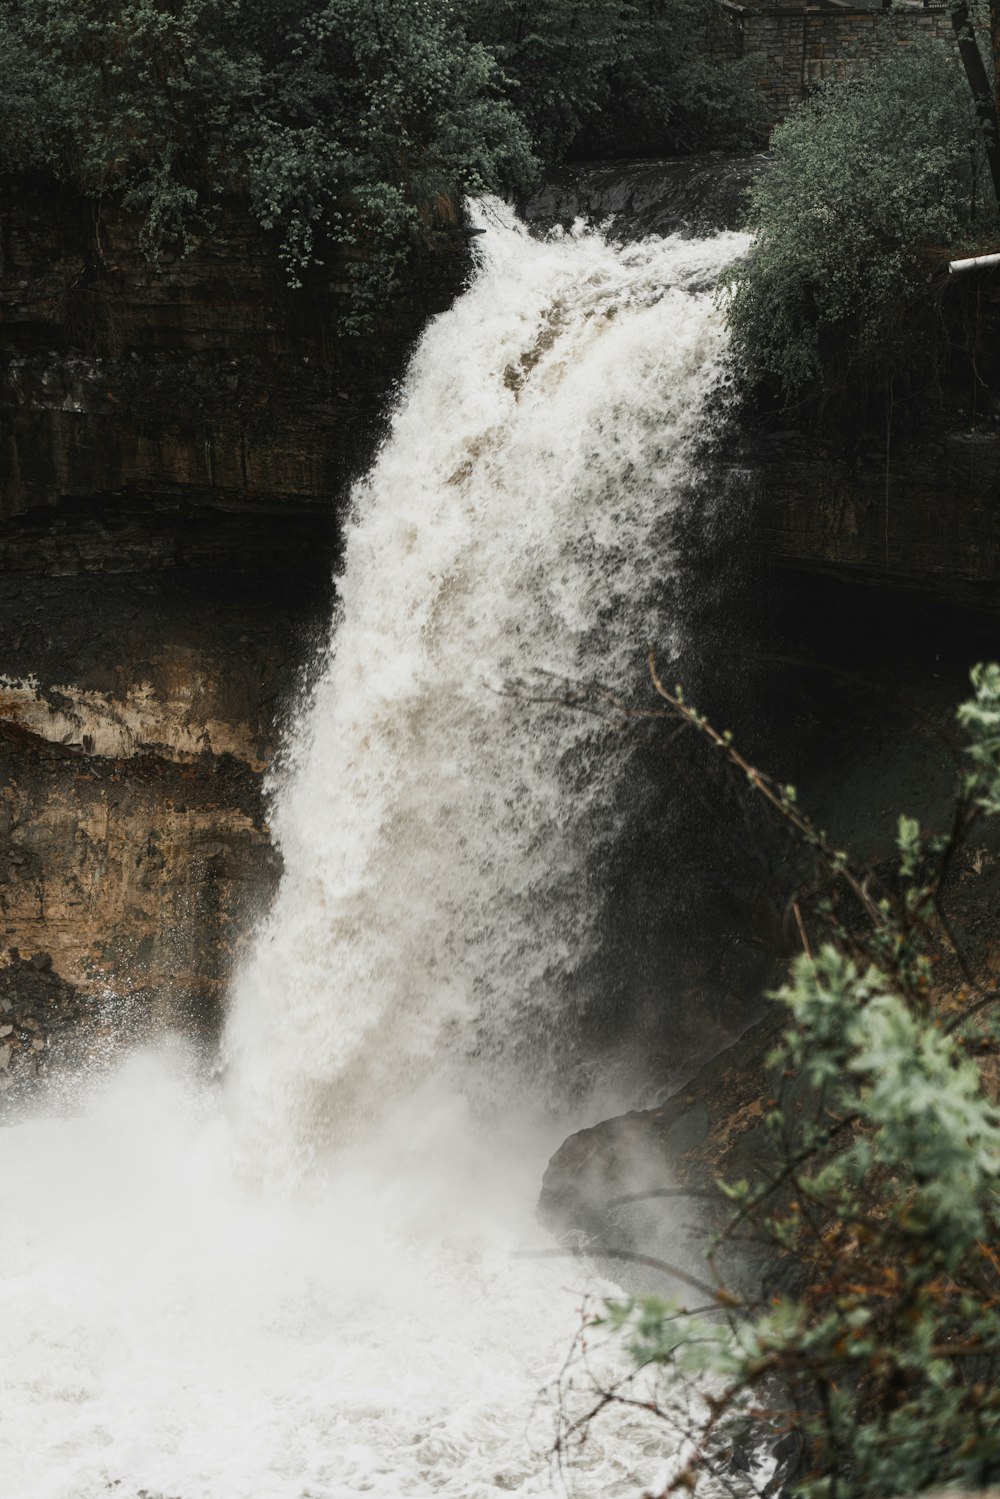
(175, 444)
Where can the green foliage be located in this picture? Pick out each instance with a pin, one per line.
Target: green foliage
(142, 97)
(620, 76)
(558, 55)
(352, 122)
(980, 717)
(378, 114)
(353, 125)
(867, 176)
(671, 86)
(881, 1352)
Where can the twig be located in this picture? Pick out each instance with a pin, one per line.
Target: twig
(617, 1202)
(631, 1256)
(802, 930)
(767, 788)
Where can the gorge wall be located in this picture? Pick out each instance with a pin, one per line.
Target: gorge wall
(906, 496)
(175, 441)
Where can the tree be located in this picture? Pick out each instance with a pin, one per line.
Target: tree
(985, 97)
(621, 76)
(378, 115)
(559, 56)
(868, 176)
(145, 98)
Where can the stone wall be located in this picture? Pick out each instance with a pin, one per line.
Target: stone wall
(901, 497)
(792, 48)
(921, 518)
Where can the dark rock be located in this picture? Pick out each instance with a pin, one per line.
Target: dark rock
(36, 1004)
(712, 1127)
(688, 195)
(174, 445)
(199, 382)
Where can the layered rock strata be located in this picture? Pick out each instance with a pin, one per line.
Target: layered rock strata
(175, 444)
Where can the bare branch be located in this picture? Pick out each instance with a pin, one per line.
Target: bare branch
(631, 1256)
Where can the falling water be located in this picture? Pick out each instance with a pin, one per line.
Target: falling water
(302, 1287)
(439, 833)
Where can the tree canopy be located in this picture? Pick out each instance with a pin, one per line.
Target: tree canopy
(351, 123)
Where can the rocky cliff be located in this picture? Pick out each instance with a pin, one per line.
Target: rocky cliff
(907, 500)
(175, 443)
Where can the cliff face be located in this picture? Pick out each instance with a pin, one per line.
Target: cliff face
(917, 514)
(175, 442)
(198, 381)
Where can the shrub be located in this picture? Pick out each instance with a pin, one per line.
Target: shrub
(877, 1347)
(867, 175)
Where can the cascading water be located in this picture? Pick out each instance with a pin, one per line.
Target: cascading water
(303, 1288)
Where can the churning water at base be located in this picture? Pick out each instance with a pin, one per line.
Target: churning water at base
(301, 1285)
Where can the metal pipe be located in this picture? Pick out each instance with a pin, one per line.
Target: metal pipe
(973, 263)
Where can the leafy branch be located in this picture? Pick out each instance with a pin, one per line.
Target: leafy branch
(871, 1354)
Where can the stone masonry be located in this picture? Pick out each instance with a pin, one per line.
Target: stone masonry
(795, 47)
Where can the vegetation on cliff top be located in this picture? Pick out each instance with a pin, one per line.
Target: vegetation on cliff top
(629, 77)
(875, 180)
(353, 124)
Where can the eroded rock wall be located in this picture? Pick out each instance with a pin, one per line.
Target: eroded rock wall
(198, 379)
(898, 486)
(920, 515)
(175, 445)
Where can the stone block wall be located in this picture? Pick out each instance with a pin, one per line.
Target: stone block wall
(795, 47)
(774, 39)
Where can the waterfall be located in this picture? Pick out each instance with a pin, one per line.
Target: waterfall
(441, 830)
(304, 1288)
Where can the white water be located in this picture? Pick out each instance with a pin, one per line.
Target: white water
(302, 1287)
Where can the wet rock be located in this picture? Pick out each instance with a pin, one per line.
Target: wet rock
(40, 1005)
(121, 897)
(693, 194)
(174, 445)
(713, 1127)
